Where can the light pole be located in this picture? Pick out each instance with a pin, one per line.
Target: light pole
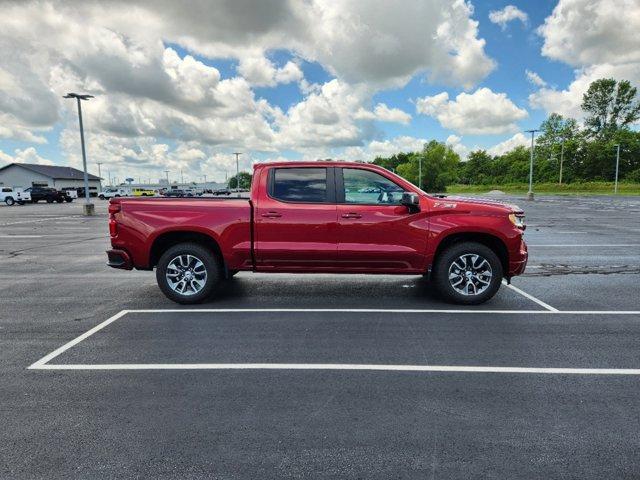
(237, 154)
(167, 174)
(561, 160)
(100, 174)
(88, 207)
(615, 188)
(530, 192)
(181, 177)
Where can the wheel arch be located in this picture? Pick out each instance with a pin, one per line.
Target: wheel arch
(173, 237)
(494, 242)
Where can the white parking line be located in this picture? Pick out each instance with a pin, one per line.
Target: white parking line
(585, 245)
(341, 366)
(20, 236)
(78, 339)
(42, 364)
(531, 297)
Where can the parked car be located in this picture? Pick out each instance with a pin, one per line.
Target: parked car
(222, 191)
(48, 194)
(176, 192)
(299, 219)
(112, 192)
(11, 196)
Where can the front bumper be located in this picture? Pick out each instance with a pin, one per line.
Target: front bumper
(119, 259)
(518, 260)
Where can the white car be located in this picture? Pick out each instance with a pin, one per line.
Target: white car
(112, 193)
(10, 196)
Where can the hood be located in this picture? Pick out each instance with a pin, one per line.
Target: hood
(482, 203)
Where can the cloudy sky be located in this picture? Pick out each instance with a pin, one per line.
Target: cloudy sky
(180, 87)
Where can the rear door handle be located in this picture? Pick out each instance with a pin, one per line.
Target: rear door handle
(272, 215)
(351, 215)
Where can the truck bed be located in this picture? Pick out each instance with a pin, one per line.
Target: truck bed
(144, 223)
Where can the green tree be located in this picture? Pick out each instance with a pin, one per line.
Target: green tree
(392, 162)
(245, 181)
(610, 105)
(439, 167)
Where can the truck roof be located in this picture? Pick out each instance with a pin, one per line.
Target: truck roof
(315, 163)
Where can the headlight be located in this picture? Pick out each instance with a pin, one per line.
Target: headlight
(518, 220)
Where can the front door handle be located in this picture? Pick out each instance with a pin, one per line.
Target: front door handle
(351, 215)
(272, 215)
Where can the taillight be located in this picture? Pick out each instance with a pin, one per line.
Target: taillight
(113, 225)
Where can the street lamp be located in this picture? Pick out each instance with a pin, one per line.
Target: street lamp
(615, 188)
(88, 208)
(100, 174)
(530, 192)
(237, 154)
(167, 173)
(561, 159)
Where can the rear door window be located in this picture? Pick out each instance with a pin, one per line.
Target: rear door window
(301, 185)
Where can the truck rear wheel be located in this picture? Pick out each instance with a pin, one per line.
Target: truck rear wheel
(9, 201)
(187, 273)
(467, 273)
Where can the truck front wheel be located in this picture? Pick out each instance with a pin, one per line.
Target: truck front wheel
(187, 273)
(467, 273)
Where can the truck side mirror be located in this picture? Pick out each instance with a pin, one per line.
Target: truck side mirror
(411, 201)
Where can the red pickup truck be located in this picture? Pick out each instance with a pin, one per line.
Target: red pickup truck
(326, 216)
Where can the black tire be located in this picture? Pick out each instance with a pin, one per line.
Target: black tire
(49, 200)
(20, 202)
(212, 267)
(68, 199)
(9, 201)
(60, 200)
(34, 201)
(445, 261)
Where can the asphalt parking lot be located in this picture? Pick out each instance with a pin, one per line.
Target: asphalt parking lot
(321, 376)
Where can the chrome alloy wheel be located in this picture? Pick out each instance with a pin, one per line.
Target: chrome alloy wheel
(470, 274)
(186, 275)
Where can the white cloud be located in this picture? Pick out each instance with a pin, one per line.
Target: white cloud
(506, 15)
(519, 139)
(455, 143)
(481, 112)
(567, 101)
(535, 79)
(384, 113)
(27, 155)
(147, 94)
(261, 72)
(599, 37)
(384, 148)
(587, 32)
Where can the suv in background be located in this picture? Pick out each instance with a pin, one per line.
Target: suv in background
(48, 194)
(175, 193)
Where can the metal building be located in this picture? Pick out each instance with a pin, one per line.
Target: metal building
(31, 175)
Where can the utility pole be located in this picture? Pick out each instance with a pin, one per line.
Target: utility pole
(530, 192)
(420, 172)
(615, 188)
(181, 177)
(88, 207)
(109, 175)
(167, 174)
(561, 159)
(237, 154)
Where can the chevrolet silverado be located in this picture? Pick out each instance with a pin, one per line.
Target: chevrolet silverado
(326, 216)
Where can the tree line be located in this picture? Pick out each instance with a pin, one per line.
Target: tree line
(586, 152)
